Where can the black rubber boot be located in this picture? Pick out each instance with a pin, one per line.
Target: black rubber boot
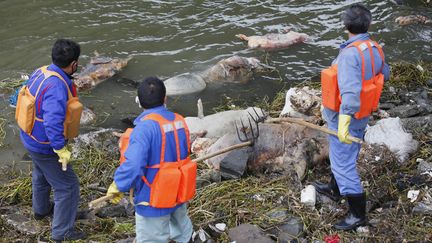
(330, 189)
(356, 215)
(74, 235)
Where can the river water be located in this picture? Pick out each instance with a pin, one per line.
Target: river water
(166, 38)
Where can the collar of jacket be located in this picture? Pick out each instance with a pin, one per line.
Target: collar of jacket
(55, 68)
(157, 109)
(364, 36)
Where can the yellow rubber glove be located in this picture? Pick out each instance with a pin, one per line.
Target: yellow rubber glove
(64, 156)
(343, 131)
(113, 191)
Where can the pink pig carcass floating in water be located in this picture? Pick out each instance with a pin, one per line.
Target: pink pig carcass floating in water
(412, 19)
(98, 70)
(273, 41)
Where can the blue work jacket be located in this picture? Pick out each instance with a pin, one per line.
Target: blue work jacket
(51, 108)
(350, 79)
(144, 150)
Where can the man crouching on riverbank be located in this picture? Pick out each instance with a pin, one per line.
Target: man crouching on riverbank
(158, 168)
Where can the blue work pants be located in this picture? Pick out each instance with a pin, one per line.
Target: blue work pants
(343, 158)
(47, 173)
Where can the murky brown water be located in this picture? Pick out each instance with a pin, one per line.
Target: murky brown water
(167, 38)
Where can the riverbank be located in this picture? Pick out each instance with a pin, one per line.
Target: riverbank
(270, 202)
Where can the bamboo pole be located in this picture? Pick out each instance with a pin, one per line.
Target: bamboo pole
(311, 125)
(222, 151)
(95, 203)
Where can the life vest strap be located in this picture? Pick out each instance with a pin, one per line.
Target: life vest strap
(381, 53)
(37, 77)
(371, 56)
(146, 181)
(52, 73)
(34, 138)
(184, 125)
(363, 62)
(368, 44)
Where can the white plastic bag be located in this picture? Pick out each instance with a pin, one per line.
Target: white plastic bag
(389, 132)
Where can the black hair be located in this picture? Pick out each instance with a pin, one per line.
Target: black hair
(357, 18)
(64, 52)
(151, 92)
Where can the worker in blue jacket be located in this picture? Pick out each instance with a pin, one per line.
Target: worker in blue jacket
(46, 143)
(345, 180)
(144, 151)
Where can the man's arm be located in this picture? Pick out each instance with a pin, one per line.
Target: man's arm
(349, 81)
(136, 155)
(54, 97)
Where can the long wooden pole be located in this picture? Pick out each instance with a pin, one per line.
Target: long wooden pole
(311, 125)
(222, 151)
(95, 203)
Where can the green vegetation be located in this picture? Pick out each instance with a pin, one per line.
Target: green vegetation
(3, 123)
(94, 167)
(9, 85)
(229, 103)
(233, 202)
(409, 75)
(16, 191)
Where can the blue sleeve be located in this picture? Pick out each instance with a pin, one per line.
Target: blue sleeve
(349, 81)
(136, 155)
(55, 97)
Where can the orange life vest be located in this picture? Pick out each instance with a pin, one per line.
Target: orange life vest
(124, 143)
(25, 113)
(175, 182)
(371, 89)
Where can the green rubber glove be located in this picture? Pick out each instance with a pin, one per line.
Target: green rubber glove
(343, 131)
(64, 156)
(113, 191)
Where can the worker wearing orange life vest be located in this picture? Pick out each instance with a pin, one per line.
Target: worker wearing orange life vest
(157, 166)
(351, 89)
(46, 142)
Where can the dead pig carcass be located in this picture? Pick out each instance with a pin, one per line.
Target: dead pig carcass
(98, 70)
(234, 69)
(274, 41)
(279, 148)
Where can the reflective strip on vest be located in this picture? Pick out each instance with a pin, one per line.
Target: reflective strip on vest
(169, 127)
(363, 46)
